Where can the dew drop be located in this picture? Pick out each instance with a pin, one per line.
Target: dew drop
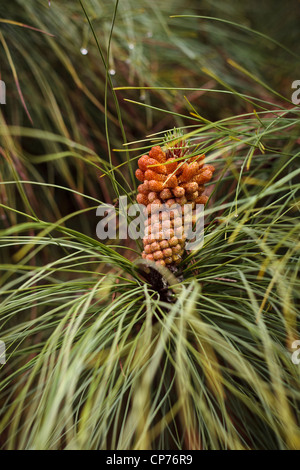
(131, 46)
(84, 51)
(112, 72)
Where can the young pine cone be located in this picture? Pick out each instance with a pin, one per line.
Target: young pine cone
(166, 182)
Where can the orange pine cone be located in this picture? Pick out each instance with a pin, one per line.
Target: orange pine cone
(167, 181)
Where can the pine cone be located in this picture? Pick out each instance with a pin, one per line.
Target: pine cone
(166, 182)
